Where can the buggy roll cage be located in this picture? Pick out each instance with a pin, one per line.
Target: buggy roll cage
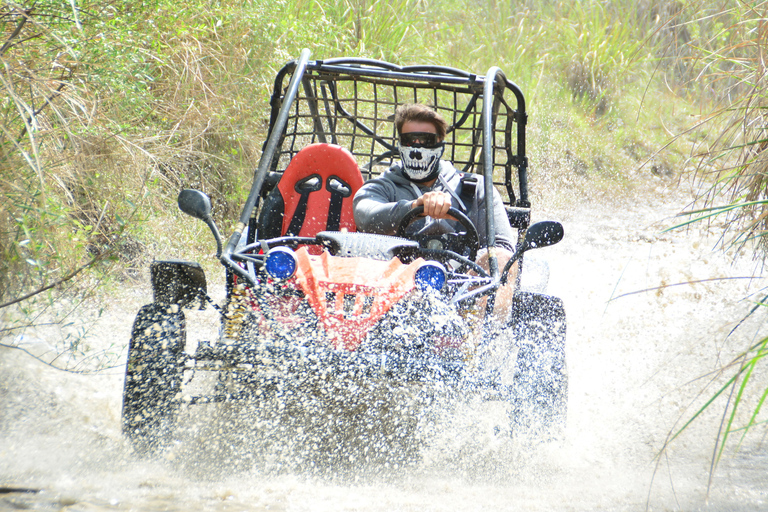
(325, 101)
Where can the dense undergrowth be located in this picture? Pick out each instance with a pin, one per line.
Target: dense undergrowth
(109, 108)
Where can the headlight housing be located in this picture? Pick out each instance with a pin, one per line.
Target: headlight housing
(281, 263)
(430, 275)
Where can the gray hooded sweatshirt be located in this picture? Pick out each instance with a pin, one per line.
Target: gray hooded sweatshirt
(383, 201)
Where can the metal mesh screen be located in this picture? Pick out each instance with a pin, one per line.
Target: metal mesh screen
(357, 111)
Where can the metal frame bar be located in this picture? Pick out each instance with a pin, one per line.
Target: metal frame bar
(285, 110)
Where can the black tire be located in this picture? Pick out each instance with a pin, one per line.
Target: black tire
(151, 396)
(541, 378)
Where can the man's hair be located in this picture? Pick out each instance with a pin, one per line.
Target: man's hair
(420, 113)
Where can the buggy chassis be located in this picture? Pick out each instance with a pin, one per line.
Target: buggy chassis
(274, 336)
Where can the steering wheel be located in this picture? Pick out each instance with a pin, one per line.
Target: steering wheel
(458, 243)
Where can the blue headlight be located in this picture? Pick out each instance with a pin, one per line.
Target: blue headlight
(431, 274)
(281, 263)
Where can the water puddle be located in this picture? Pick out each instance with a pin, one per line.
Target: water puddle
(633, 357)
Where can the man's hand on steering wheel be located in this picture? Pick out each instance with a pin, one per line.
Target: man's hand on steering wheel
(462, 243)
(436, 204)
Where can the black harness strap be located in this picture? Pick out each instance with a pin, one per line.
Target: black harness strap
(467, 190)
(304, 187)
(339, 190)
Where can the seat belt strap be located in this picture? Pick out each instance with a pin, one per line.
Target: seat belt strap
(339, 190)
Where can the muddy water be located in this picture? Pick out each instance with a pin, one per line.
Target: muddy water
(633, 363)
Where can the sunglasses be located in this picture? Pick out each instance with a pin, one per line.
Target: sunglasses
(419, 140)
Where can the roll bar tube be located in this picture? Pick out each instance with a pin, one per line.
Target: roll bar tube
(487, 121)
(263, 168)
(277, 127)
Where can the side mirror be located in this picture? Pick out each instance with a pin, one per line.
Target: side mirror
(195, 203)
(198, 205)
(542, 234)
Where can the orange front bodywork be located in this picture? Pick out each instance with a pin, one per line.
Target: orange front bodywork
(349, 295)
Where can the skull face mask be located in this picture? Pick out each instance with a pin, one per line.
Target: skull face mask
(421, 164)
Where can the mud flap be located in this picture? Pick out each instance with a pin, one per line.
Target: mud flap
(151, 396)
(541, 380)
(178, 282)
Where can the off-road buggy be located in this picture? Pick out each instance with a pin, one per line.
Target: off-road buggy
(311, 303)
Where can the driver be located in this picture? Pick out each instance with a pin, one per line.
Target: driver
(422, 178)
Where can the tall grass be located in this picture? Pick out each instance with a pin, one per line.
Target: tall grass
(46, 118)
(101, 123)
(732, 171)
(108, 109)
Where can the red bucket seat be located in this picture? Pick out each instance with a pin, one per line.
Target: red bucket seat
(314, 194)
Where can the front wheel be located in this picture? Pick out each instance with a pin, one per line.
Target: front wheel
(541, 378)
(151, 396)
